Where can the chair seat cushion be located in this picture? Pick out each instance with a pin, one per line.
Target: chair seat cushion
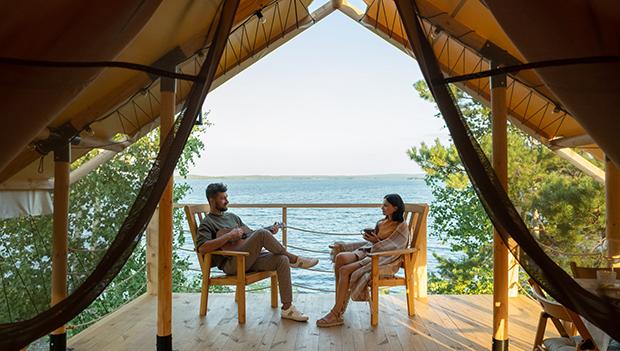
(562, 344)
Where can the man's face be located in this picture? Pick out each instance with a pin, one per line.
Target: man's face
(220, 202)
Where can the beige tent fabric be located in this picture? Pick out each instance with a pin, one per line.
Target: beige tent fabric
(56, 30)
(465, 37)
(543, 30)
(176, 31)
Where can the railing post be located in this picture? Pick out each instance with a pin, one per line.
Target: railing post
(152, 248)
(284, 230)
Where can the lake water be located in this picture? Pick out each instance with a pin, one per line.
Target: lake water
(308, 190)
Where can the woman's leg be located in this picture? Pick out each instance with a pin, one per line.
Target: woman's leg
(342, 287)
(343, 258)
(334, 317)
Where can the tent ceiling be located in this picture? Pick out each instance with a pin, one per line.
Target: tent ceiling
(465, 37)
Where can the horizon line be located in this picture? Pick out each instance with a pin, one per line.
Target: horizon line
(299, 175)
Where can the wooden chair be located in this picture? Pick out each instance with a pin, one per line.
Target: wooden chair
(567, 322)
(415, 215)
(195, 214)
(588, 272)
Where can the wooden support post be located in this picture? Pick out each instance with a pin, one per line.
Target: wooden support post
(612, 231)
(62, 161)
(164, 243)
(500, 251)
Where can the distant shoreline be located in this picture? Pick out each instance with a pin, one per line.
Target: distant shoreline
(251, 177)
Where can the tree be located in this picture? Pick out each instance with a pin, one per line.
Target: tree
(559, 202)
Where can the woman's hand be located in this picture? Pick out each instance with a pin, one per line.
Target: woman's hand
(371, 237)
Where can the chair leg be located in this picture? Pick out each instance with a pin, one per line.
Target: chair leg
(204, 297)
(540, 330)
(206, 282)
(274, 291)
(410, 286)
(374, 293)
(240, 293)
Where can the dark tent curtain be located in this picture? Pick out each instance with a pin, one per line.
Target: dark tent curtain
(601, 311)
(16, 335)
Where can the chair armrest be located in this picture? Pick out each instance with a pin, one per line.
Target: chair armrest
(393, 252)
(228, 253)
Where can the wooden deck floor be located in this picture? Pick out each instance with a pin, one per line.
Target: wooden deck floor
(442, 323)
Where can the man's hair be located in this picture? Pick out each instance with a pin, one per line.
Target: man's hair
(214, 189)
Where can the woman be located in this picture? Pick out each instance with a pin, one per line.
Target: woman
(353, 269)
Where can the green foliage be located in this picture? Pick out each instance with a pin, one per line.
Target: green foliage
(99, 203)
(564, 206)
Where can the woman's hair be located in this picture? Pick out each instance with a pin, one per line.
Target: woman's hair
(396, 201)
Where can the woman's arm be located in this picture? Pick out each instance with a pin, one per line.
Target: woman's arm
(397, 240)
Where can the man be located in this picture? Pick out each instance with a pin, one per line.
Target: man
(222, 230)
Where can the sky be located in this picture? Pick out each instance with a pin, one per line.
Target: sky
(335, 100)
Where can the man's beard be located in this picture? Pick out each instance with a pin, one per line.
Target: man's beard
(223, 209)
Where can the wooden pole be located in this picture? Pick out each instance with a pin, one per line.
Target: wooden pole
(500, 251)
(62, 159)
(612, 190)
(164, 244)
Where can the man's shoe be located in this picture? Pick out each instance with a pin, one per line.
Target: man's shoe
(294, 314)
(304, 262)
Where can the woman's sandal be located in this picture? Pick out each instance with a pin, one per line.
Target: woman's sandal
(332, 319)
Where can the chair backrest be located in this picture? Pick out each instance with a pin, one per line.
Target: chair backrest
(415, 215)
(552, 308)
(195, 214)
(588, 272)
(569, 320)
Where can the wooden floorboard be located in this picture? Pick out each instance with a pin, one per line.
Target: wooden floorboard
(442, 322)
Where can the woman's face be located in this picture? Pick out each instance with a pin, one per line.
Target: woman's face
(387, 208)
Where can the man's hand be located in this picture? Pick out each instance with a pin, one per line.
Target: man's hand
(234, 235)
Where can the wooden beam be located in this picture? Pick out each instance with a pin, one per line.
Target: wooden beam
(62, 159)
(583, 164)
(571, 142)
(164, 257)
(612, 230)
(500, 251)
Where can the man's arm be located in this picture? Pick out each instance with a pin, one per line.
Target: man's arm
(217, 243)
(212, 245)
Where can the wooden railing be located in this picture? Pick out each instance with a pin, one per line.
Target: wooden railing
(420, 267)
